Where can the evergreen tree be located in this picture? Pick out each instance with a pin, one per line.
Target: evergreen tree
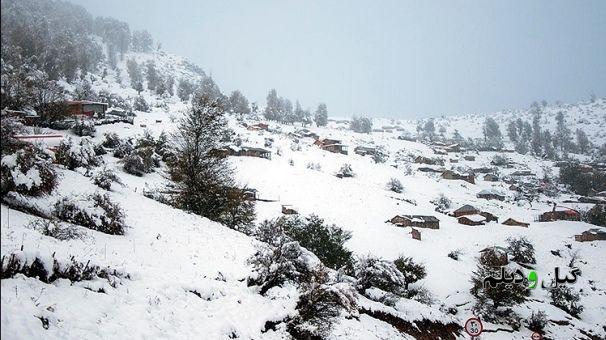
(536, 143)
(238, 103)
(153, 78)
(512, 132)
(321, 115)
(272, 109)
(563, 139)
(492, 134)
(184, 89)
(429, 130)
(583, 142)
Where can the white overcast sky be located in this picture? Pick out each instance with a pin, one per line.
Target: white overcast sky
(403, 59)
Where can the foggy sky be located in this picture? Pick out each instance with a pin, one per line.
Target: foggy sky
(402, 59)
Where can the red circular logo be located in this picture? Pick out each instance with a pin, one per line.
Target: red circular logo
(536, 336)
(473, 326)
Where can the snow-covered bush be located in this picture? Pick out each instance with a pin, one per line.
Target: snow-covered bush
(105, 177)
(395, 185)
(565, 298)
(499, 160)
(96, 212)
(345, 171)
(442, 203)
(420, 294)
(411, 270)
(314, 166)
(275, 265)
(11, 126)
(455, 254)
(111, 140)
(375, 272)
(140, 104)
(125, 147)
(99, 150)
(28, 171)
(141, 161)
(56, 229)
(319, 305)
(77, 155)
(521, 250)
(84, 127)
(536, 322)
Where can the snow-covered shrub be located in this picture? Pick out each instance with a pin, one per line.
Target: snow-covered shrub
(565, 298)
(105, 177)
(11, 126)
(411, 270)
(521, 250)
(84, 127)
(499, 160)
(99, 150)
(395, 185)
(595, 215)
(420, 294)
(314, 166)
(536, 322)
(326, 241)
(140, 161)
(140, 104)
(77, 155)
(442, 203)
(96, 212)
(380, 156)
(346, 171)
(319, 305)
(455, 254)
(375, 272)
(146, 140)
(125, 147)
(291, 162)
(56, 229)
(111, 140)
(28, 171)
(275, 265)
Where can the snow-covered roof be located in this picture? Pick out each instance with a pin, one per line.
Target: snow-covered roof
(474, 218)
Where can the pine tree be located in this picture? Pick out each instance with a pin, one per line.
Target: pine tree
(321, 115)
(536, 143)
(583, 142)
(492, 134)
(272, 108)
(238, 103)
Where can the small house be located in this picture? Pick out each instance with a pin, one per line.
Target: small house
(254, 152)
(499, 255)
(426, 160)
(454, 160)
(465, 210)
(86, 108)
(416, 235)
(472, 220)
(331, 145)
(483, 170)
(560, 213)
(428, 169)
(594, 234)
(470, 158)
(365, 150)
(453, 148)
(510, 221)
(257, 127)
(491, 178)
(489, 217)
(249, 194)
(490, 194)
(288, 210)
(522, 173)
(451, 175)
(28, 117)
(418, 221)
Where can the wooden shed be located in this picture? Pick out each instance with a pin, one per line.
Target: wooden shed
(465, 210)
(416, 235)
(86, 108)
(510, 221)
(472, 220)
(419, 221)
(490, 195)
(594, 234)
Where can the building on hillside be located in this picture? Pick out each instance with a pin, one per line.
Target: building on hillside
(470, 158)
(331, 145)
(472, 220)
(288, 210)
(465, 210)
(365, 150)
(453, 160)
(451, 175)
(249, 194)
(257, 127)
(86, 108)
(560, 213)
(490, 194)
(428, 169)
(491, 178)
(427, 160)
(416, 235)
(499, 254)
(489, 217)
(254, 152)
(594, 234)
(453, 148)
(510, 221)
(418, 221)
(27, 117)
(522, 173)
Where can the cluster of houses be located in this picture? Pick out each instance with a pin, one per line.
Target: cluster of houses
(331, 145)
(243, 151)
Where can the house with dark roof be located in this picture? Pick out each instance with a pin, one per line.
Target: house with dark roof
(490, 194)
(473, 220)
(451, 175)
(594, 234)
(511, 222)
(465, 210)
(365, 150)
(419, 221)
(560, 213)
(491, 178)
(331, 145)
(86, 108)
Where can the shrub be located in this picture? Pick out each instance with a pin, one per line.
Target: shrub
(596, 215)
(499, 160)
(133, 164)
(521, 250)
(99, 150)
(346, 171)
(361, 125)
(96, 212)
(140, 104)
(56, 229)
(442, 203)
(395, 185)
(104, 178)
(77, 155)
(375, 272)
(28, 171)
(123, 149)
(147, 140)
(455, 254)
(536, 322)
(111, 140)
(565, 298)
(84, 128)
(411, 270)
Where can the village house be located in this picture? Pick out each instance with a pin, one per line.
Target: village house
(451, 175)
(428, 169)
(594, 234)
(418, 221)
(86, 109)
(491, 178)
(288, 210)
(500, 255)
(453, 148)
(249, 194)
(307, 133)
(416, 235)
(490, 194)
(365, 150)
(331, 145)
(469, 158)
(472, 220)
(27, 117)
(427, 160)
(511, 222)
(560, 213)
(465, 210)
(257, 127)
(489, 217)
(254, 152)
(483, 170)
(454, 160)
(522, 173)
